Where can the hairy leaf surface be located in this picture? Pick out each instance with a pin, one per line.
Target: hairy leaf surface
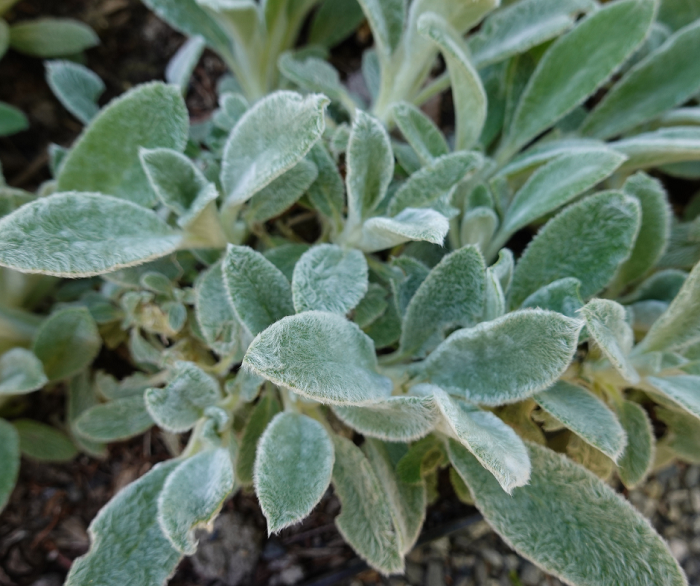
(76, 87)
(42, 442)
(409, 224)
(20, 372)
(420, 132)
(682, 389)
(637, 459)
(117, 420)
(267, 407)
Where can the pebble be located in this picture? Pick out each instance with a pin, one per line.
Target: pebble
(414, 574)
(695, 499)
(692, 476)
(531, 575)
(435, 575)
(494, 559)
(679, 549)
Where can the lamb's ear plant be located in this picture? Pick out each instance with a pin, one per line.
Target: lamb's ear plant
(273, 357)
(44, 38)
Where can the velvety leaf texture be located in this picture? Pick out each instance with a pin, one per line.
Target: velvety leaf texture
(20, 372)
(420, 132)
(507, 359)
(267, 407)
(270, 138)
(452, 295)
(128, 545)
(586, 415)
(682, 389)
(260, 293)
(192, 495)
(365, 519)
(587, 241)
(52, 37)
(42, 442)
(329, 278)
(562, 295)
(594, 50)
(105, 234)
(396, 419)
(117, 420)
(321, 356)
(105, 158)
(386, 17)
(638, 457)
(410, 224)
(9, 460)
(660, 147)
(293, 469)
(76, 87)
(571, 524)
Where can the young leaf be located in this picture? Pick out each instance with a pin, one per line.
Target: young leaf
(396, 419)
(20, 372)
(660, 147)
(452, 295)
(313, 74)
(128, 545)
(42, 442)
(430, 185)
(327, 192)
(681, 389)
(293, 468)
(81, 396)
(370, 166)
(679, 325)
(321, 356)
(586, 415)
(216, 317)
(606, 323)
(192, 495)
(329, 278)
(478, 227)
(106, 234)
(507, 359)
(409, 224)
(52, 37)
(179, 405)
(469, 94)
(386, 19)
(654, 230)
(497, 447)
(9, 460)
(563, 296)
(67, 342)
(555, 184)
(12, 120)
(371, 306)
(594, 49)
(663, 80)
(285, 257)
(587, 241)
(407, 502)
(638, 457)
(117, 420)
(385, 330)
(521, 26)
(562, 521)
(334, 21)
(76, 87)
(404, 287)
(269, 139)
(682, 436)
(181, 65)
(420, 132)
(281, 193)
(149, 116)
(260, 293)
(365, 519)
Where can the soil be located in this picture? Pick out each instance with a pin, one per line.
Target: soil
(44, 526)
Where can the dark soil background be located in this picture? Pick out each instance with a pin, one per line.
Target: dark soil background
(44, 526)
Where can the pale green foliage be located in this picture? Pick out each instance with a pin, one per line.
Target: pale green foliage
(179, 405)
(293, 468)
(606, 323)
(76, 87)
(386, 19)
(42, 442)
(9, 460)
(180, 67)
(269, 139)
(409, 224)
(260, 293)
(52, 37)
(365, 519)
(638, 457)
(329, 278)
(681, 389)
(609, 36)
(507, 359)
(335, 20)
(20, 372)
(469, 94)
(106, 234)
(562, 295)
(370, 166)
(679, 325)
(319, 355)
(128, 546)
(452, 295)
(682, 436)
(571, 524)
(192, 495)
(371, 306)
(497, 447)
(267, 407)
(327, 191)
(11, 119)
(119, 419)
(67, 342)
(149, 116)
(420, 132)
(660, 147)
(586, 415)
(664, 79)
(587, 241)
(396, 419)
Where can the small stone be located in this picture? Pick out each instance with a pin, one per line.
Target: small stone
(417, 556)
(478, 530)
(289, 576)
(679, 549)
(482, 574)
(441, 547)
(654, 489)
(692, 476)
(414, 574)
(676, 497)
(674, 513)
(459, 561)
(695, 499)
(394, 581)
(649, 508)
(531, 575)
(512, 562)
(50, 580)
(695, 545)
(493, 558)
(464, 581)
(435, 575)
